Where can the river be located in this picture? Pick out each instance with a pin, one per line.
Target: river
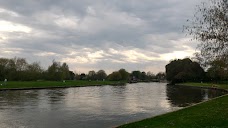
(95, 106)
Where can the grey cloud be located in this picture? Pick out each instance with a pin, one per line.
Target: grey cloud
(62, 27)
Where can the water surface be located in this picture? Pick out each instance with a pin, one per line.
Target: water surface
(94, 107)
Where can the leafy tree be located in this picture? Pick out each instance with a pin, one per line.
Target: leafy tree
(58, 72)
(160, 76)
(3, 71)
(101, 75)
(124, 74)
(82, 76)
(77, 76)
(218, 70)
(72, 75)
(20, 63)
(54, 71)
(91, 75)
(210, 27)
(16, 68)
(184, 70)
(143, 76)
(115, 76)
(33, 72)
(150, 76)
(64, 69)
(136, 74)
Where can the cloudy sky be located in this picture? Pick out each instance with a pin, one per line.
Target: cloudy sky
(97, 34)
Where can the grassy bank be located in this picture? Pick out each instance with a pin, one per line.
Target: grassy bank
(222, 85)
(213, 113)
(50, 84)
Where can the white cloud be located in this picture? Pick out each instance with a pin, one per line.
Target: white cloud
(11, 51)
(45, 54)
(3, 37)
(177, 55)
(67, 22)
(137, 56)
(96, 55)
(6, 26)
(76, 60)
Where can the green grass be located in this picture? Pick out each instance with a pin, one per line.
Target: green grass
(210, 114)
(222, 85)
(50, 84)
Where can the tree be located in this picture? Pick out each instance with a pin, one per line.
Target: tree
(210, 27)
(150, 76)
(218, 70)
(20, 63)
(77, 75)
(101, 75)
(143, 76)
(33, 72)
(64, 69)
(91, 75)
(184, 70)
(160, 76)
(72, 75)
(54, 71)
(10, 70)
(3, 70)
(115, 76)
(82, 76)
(124, 74)
(136, 75)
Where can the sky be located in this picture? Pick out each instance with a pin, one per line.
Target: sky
(97, 34)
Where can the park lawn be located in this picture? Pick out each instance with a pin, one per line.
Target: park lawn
(210, 114)
(221, 85)
(50, 84)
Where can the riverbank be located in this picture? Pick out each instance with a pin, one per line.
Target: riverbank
(207, 85)
(25, 85)
(212, 113)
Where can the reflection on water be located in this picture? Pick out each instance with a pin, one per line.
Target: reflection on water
(181, 96)
(102, 106)
(17, 98)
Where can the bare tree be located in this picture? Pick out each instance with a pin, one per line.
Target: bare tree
(210, 27)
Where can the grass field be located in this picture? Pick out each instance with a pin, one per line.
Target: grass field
(210, 114)
(50, 84)
(223, 85)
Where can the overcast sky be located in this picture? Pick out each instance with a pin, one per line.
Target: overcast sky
(97, 34)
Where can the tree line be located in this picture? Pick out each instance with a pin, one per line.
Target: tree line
(121, 75)
(18, 69)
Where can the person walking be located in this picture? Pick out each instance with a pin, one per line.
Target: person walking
(5, 81)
